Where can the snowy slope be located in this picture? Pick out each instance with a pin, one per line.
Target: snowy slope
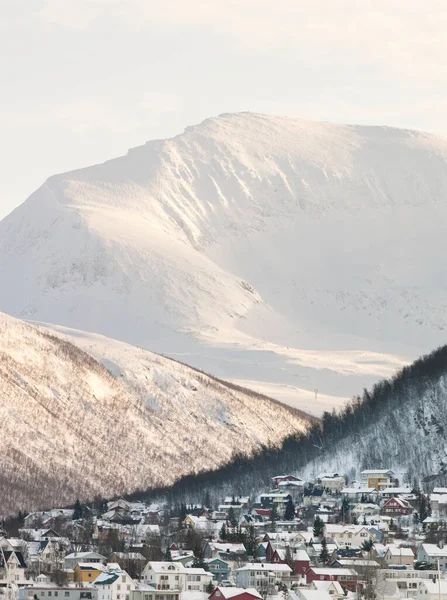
(288, 254)
(103, 417)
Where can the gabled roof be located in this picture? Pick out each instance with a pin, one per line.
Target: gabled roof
(107, 578)
(8, 554)
(231, 592)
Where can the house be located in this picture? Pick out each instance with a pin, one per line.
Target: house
(430, 590)
(432, 553)
(348, 536)
(300, 558)
(219, 569)
(346, 577)
(114, 584)
(224, 550)
(395, 555)
(261, 576)
(402, 582)
(378, 479)
(268, 499)
(163, 575)
(71, 560)
(234, 593)
(42, 591)
(278, 479)
(12, 567)
(391, 492)
(396, 507)
(87, 572)
(144, 591)
(438, 503)
(333, 588)
(333, 483)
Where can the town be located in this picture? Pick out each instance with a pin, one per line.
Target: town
(299, 540)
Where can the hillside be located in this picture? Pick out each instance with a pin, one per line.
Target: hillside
(398, 424)
(284, 254)
(104, 418)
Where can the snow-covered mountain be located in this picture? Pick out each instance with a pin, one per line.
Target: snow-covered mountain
(102, 417)
(286, 254)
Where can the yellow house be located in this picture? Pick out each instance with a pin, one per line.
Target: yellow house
(87, 572)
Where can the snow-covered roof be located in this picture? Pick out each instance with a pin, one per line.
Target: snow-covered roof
(434, 550)
(265, 567)
(329, 571)
(231, 592)
(397, 551)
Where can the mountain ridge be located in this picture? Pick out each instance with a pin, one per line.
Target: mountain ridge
(287, 254)
(83, 415)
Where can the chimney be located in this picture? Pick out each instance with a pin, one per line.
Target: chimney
(441, 544)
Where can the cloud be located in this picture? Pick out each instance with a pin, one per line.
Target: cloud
(405, 37)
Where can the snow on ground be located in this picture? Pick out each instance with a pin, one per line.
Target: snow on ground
(257, 248)
(101, 417)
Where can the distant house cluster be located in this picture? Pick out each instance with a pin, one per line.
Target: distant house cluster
(299, 539)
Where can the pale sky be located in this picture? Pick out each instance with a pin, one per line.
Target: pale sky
(84, 80)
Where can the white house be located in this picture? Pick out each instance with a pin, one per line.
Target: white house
(432, 590)
(261, 576)
(348, 536)
(114, 584)
(163, 575)
(396, 555)
(431, 553)
(334, 483)
(50, 591)
(71, 560)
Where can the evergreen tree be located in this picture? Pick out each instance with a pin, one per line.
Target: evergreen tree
(168, 555)
(288, 559)
(223, 533)
(77, 512)
(251, 543)
(232, 519)
(289, 513)
(210, 588)
(345, 509)
(318, 527)
(324, 554)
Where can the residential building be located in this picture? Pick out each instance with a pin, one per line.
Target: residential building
(87, 572)
(114, 584)
(235, 593)
(432, 553)
(51, 592)
(378, 479)
(71, 560)
(396, 555)
(261, 576)
(430, 590)
(163, 575)
(346, 577)
(334, 483)
(396, 507)
(219, 569)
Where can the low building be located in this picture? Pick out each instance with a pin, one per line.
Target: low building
(395, 555)
(114, 585)
(346, 577)
(71, 560)
(52, 592)
(219, 569)
(430, 590)
(261, 576)
(234, 593)
(378, 479)
(396, 507)
(87, 572)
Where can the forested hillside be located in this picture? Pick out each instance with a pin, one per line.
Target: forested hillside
(401, 423)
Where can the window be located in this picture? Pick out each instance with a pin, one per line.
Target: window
(56, 593)
(118, 587)
(67, 594)
(123, 578)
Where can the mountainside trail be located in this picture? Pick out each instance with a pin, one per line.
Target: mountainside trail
(286, 254)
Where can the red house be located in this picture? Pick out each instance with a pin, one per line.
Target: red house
(233, 593)
(280, 478)
(301, 560)
(346, 577)
(396, 507)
